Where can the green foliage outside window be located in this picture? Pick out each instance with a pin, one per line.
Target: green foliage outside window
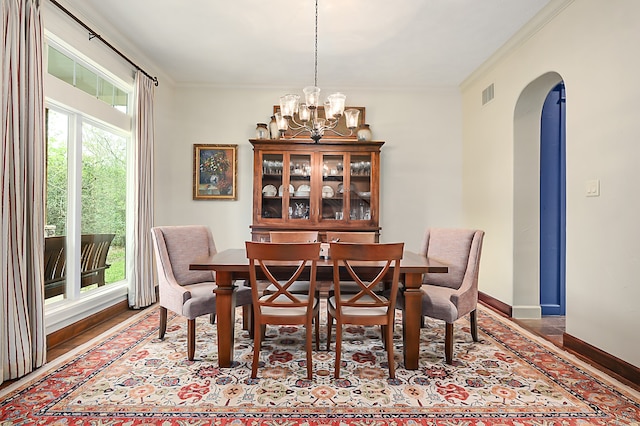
(103, 192)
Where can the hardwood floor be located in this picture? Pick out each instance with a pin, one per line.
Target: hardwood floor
(84, 337)
(551, 328)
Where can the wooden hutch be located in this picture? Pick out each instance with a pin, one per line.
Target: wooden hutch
(332, 185)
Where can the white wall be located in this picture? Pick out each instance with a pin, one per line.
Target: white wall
(421, 159)
(592, 45)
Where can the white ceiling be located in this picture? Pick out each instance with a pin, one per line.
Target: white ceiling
(361, 43)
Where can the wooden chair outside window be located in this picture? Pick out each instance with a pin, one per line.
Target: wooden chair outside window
(283, 307)
(364, 307)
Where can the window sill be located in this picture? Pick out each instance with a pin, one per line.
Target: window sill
(66, 312)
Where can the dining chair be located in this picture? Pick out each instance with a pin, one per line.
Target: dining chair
(293, 236)
(301, 287)
(351, 237)
(283, 307)
(451, 296)
(365, 307)
(188, 293)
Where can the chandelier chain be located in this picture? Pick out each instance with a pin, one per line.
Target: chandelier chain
(303, 117)
(315, 76)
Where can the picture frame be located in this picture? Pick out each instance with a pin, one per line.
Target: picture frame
(341, 127)
(215, 172)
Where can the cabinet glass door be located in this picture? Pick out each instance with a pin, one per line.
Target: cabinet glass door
(360, 187)
(272, 205)
(333, 205)
(300, 187)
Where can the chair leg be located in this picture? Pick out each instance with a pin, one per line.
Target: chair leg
(163, 322)
(212, 318)
(474, 325)
(383, 336)
(448, 343)
(389, 345)
(309, 349)
(317, 321)
(329, 327)
(257, 339)
(338, 349)
(246, 317)
(191, 339)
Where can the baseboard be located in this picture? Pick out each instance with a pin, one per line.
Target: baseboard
(64, 334)
(601, 358)
(495, 304)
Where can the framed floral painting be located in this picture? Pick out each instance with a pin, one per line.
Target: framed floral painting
(215, 172)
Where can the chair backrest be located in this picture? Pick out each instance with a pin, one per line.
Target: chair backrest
(351, 237)
(293, 236)
(458, 248)
(379, 259)
(266, 258)
(178, 246)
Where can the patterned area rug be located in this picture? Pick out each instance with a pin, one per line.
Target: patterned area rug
(130, 377)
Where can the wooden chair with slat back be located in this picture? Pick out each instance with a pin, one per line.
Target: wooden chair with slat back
(364, 307)
(293, 236)
(350, 237)
(300, 287)
(283, 307)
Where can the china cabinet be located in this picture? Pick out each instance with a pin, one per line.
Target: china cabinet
(332, 185)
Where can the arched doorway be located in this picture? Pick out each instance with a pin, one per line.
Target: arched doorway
(526, 218)
(552, 202)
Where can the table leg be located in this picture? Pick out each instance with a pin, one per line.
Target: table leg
(411, 320)
(225, 310)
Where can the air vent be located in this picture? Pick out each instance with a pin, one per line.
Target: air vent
(487, 94)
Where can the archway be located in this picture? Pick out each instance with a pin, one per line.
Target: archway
(526, 219)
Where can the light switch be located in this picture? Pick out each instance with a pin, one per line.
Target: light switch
(593, 188)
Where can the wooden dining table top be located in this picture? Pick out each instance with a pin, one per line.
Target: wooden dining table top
(233, 264)
(235, 260)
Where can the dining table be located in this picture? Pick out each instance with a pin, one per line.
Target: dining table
(232, 265)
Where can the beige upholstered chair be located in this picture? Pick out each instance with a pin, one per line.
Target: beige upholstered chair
(283, 307)
(450, 296)
(364, 307)
(185, 292)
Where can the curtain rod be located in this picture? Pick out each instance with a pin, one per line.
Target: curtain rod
(93, 34)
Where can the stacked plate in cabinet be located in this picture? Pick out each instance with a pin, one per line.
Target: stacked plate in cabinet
(303, 191)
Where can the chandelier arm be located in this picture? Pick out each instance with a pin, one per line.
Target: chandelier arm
(341, 134)
(298, 125)
(301, 131)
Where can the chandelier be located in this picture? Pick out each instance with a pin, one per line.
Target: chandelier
(308, 119)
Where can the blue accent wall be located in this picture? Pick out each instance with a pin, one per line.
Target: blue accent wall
(552, 203)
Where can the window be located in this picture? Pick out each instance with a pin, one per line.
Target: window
(81, 75)
(86, 183)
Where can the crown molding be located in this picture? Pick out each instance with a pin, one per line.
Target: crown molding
(537, 23)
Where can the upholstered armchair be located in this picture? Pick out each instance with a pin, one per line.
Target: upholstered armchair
(185, 292)
(451, 296)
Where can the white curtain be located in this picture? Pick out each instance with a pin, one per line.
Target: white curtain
(140, 273)
(22, 329)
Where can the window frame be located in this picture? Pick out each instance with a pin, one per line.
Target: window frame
(83, 108)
